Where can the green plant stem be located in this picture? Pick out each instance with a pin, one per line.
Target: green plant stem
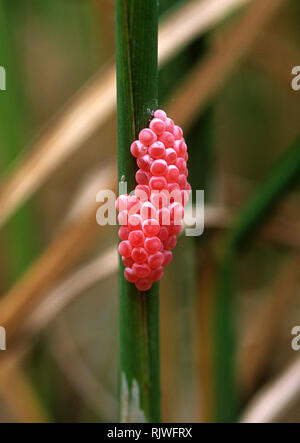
(251, 217)
(137, 89)
(20, 234)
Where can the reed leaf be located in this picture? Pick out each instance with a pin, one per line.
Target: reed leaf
(137, 90)
(274, 401)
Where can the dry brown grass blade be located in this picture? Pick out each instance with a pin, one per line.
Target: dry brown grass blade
(187, 21)
(205, 79)
(90, 108)
(18, 395)
(52, 302)
(94, 104)
(273, 401)
(51, 265)
(77, 283)
(64, 251)
(262, 334)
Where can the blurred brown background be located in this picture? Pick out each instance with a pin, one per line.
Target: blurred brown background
(229, 84)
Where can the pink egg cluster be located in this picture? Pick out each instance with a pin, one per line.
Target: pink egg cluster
(151, 218)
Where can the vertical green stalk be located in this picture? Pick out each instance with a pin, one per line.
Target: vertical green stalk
(137, 90)
(20, 233)
(274, 187)
(225, 402)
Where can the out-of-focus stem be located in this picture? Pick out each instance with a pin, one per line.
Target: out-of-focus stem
(251, 217)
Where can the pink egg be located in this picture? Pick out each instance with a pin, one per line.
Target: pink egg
(177, 131)
(135, 210)
(173, 187)
(142, 192)
(176, 212)
(158, 183)
(155, 260)
(169, 125)
(181, 181)
(139, 255)
(170, 156)
(175, 229)
(159, 199)
(167, 257)
(151, 227)
(133, 204)
(183, 148)
(127, 261)
(156, 274)
(172, 174)
(130, 275)
(170, 243)
(141, 271)
(159, 167)
(123, 233)
(144, 162)
(163, 233)
(152, 244)
(147, 137)
(137, 149)
(135, 222)
(160, 114)
(143, 284)
(142, 177)
(167, 138)
(157, 150)
(136, 238)
(181, 164)
(125, 248)
(158, 126)
(147, 211)
(163, 216)
(180, 148)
